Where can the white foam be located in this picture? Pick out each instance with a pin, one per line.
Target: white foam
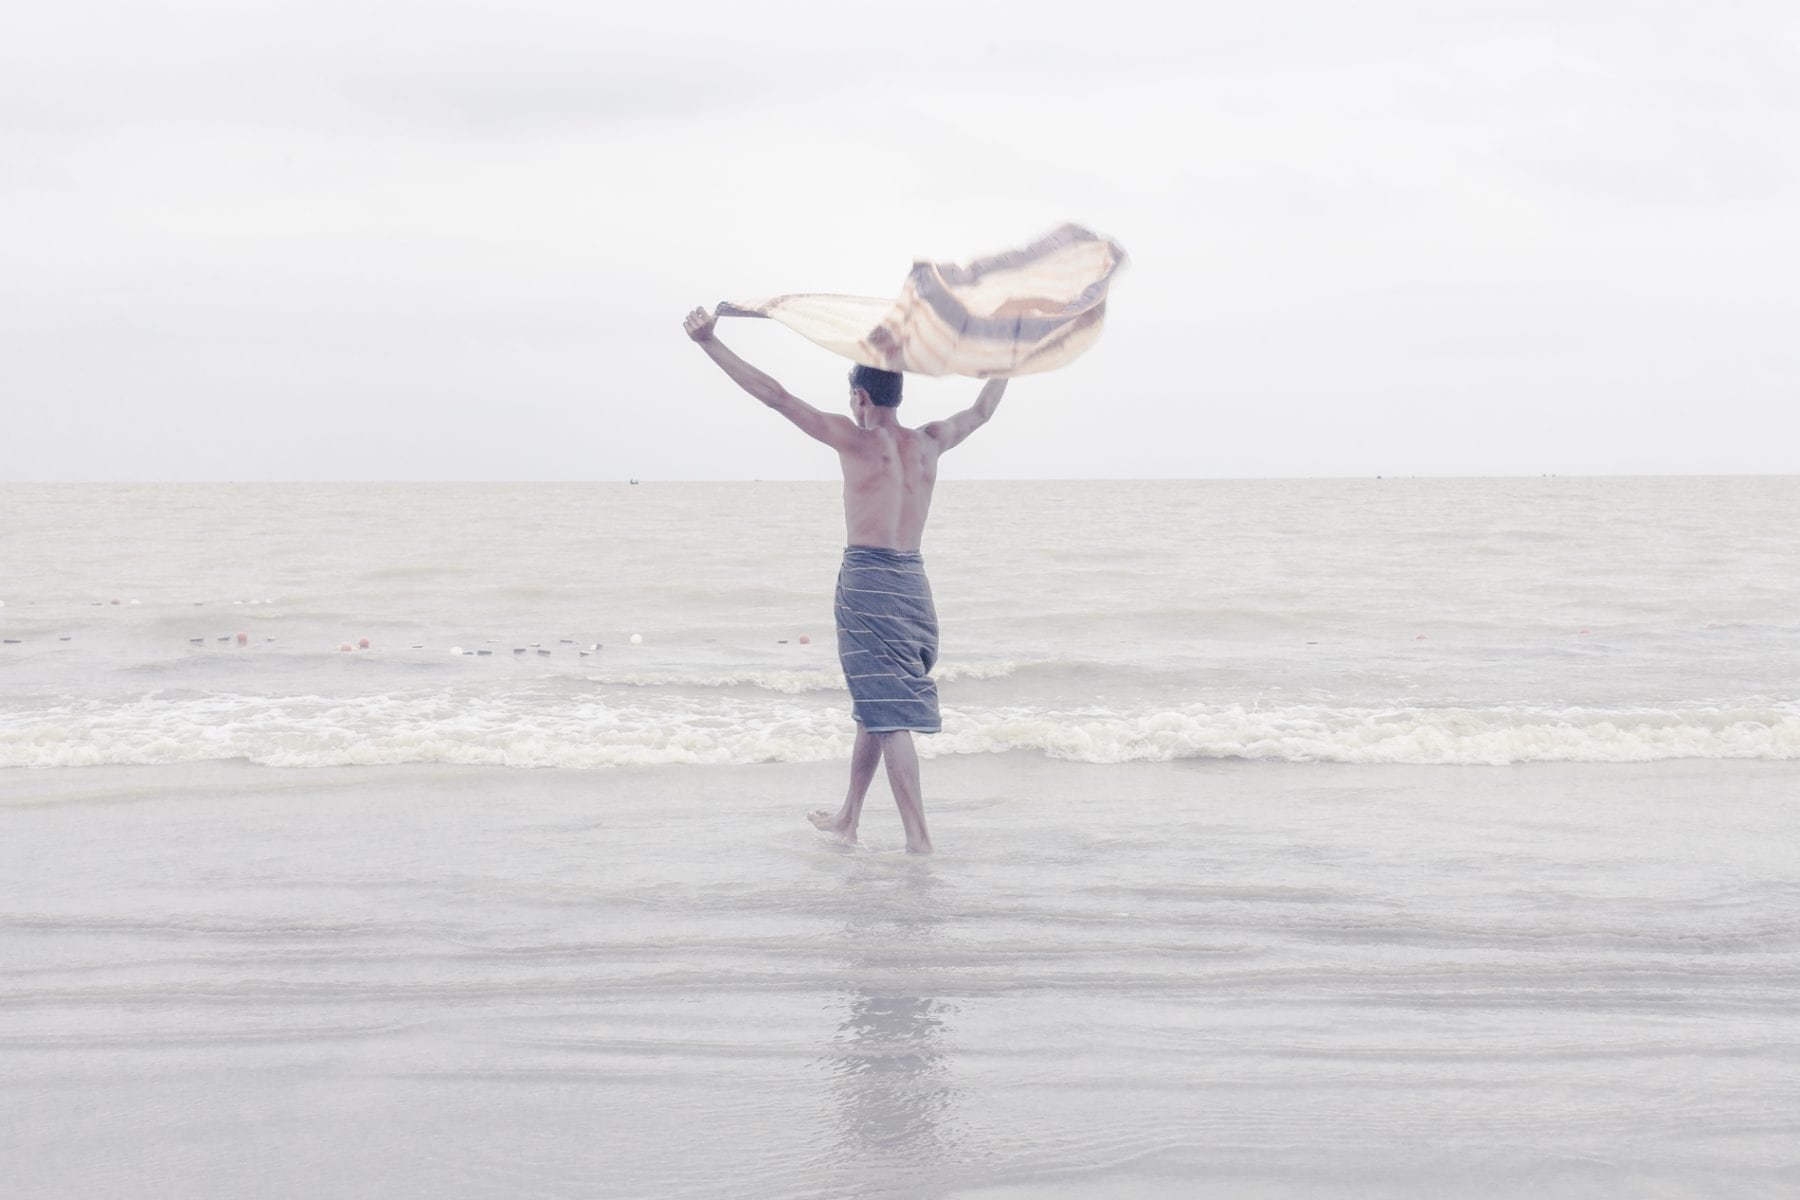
(791, 682)
(545, 729)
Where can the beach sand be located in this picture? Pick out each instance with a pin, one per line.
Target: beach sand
(1202, 978)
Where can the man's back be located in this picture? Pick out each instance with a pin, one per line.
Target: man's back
(889, 472)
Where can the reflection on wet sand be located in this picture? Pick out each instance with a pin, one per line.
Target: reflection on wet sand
(890, 1060)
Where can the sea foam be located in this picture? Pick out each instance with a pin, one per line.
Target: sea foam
(636, 728)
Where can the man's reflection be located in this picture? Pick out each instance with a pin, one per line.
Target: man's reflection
(890, 1059)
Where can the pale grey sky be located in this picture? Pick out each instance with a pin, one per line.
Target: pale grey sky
(245, 240)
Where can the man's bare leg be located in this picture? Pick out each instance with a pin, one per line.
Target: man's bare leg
(864, 755)
(903, 778)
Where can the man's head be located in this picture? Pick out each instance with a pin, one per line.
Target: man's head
(872, 385)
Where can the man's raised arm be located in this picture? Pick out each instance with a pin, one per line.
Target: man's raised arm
(829, 428)
(952, 430)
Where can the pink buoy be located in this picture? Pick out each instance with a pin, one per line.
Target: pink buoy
(362, 643)
(806, 639)
(243, 639)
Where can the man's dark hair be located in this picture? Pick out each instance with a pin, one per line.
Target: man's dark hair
(883, 386)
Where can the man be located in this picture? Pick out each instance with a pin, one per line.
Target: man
(887, 626)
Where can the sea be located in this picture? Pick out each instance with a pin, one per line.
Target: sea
(1479, 621)
(1294, 838)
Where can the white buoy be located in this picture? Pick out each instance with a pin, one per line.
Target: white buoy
(456, 651)
(131, 602)
(637, 639)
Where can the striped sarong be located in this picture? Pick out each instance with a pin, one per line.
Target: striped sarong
(888, 639)
(1023, 311)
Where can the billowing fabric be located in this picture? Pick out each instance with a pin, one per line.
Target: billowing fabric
(888, 639)
(1027, 310)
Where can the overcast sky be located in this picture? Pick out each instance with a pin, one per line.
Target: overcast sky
(380, 240)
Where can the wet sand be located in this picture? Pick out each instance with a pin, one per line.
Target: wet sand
(1191, 979)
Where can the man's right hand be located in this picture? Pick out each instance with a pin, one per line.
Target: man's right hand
(699, 325)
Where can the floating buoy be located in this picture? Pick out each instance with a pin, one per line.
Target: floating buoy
(806, 639)
(131, 602)
(456, 650)
(1586, 631)
(1420, 638)
(637, 639)
(362, 643)
(243, 639)
(344, 648)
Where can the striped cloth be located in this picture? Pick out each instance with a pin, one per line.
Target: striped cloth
(888, 639)
(1016, 313)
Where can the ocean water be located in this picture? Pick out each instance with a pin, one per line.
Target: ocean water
(1355, 621)
(1295, 839)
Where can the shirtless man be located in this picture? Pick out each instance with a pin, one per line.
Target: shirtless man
(887, 633)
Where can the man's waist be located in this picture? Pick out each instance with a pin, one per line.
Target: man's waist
(882, 554)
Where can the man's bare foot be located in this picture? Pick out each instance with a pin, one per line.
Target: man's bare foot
(831, 822)
(921, 848)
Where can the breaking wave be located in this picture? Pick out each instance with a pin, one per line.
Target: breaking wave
(652, 729)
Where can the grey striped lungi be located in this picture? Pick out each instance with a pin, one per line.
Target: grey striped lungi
(888, 639)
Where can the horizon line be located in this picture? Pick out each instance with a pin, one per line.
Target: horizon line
(635, 480)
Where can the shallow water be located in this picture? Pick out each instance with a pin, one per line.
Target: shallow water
(1203, 978)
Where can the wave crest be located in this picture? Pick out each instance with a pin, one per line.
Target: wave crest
(651, 729)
